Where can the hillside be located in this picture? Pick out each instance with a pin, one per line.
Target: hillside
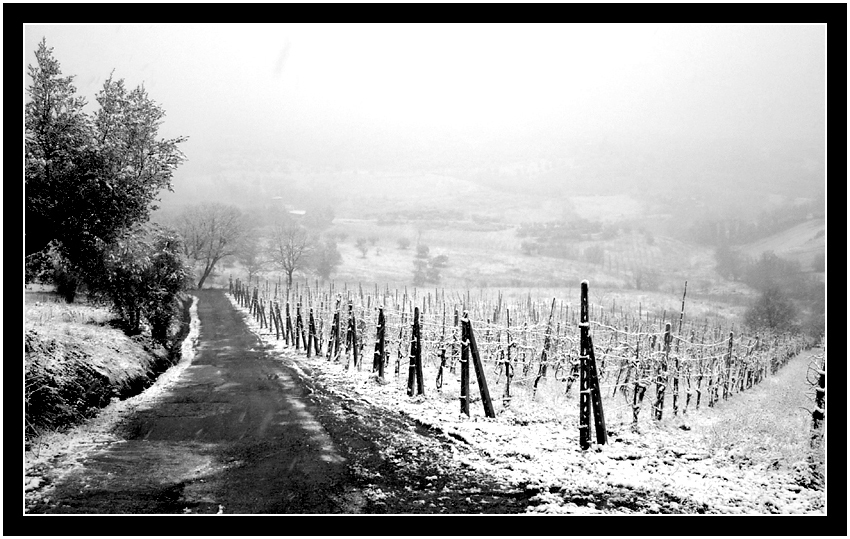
(801, 243)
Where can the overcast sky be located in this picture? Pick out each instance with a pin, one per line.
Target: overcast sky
(327, 86)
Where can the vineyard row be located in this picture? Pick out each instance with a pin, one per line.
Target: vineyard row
(683, 363)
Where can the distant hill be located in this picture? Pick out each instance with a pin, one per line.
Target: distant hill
(801, 243)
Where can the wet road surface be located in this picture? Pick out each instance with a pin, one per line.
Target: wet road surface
(236, 433)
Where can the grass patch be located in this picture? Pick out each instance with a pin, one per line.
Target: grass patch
(767, 426)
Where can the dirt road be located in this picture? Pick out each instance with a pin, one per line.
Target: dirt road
(236, 433)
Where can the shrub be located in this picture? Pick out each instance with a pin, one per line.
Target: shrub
(529, 248)
(362, 247)
(440, 261)
(646, 279)
(422, 251)
(143, 273)
(403, 243)
(326, 258)
(772, 310)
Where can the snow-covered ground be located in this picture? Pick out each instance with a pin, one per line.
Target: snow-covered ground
(658, 468)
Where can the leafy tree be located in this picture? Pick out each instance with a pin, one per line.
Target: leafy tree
(362, 246)
(422, 250)
(420, 272)
(211, 232)
(772, 310)
(731, 264)
(769, 270)
(89, 179)
(291, 247)
(326, 258)
(646, 279)
(56, 150)
(403, 243)
(143, 273)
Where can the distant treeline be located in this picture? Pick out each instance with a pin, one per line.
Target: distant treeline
(738, 231)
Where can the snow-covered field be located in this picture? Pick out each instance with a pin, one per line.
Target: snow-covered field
(666, 467)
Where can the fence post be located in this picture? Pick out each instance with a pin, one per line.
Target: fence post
(661, 377)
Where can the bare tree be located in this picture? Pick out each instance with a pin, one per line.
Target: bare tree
(252, 254)
(210, 233)
(291, 247)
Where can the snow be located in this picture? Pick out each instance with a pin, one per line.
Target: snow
(655, 469)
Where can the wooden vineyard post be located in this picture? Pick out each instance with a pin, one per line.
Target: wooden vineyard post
(584, 383)
(297, 334)
(420, 378)
(379, 344)
(302, 327)
(544, 355)
(661, 378)
(727, 368)
(640, 387)
(414, 378)
(596, 395)
(333, 338)
(278, 317)
(400, 350)
(274, 320)
(288, 326)
(479, 371)
(313, 337)
(308, 346)
(819, 413)
(509, 368)
(441, 368)
(676, 380)
(689, 391)
(455, 350)
(589, 394)
(464, 368)
(352, 331)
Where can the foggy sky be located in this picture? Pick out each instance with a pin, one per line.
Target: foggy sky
(402, 89)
